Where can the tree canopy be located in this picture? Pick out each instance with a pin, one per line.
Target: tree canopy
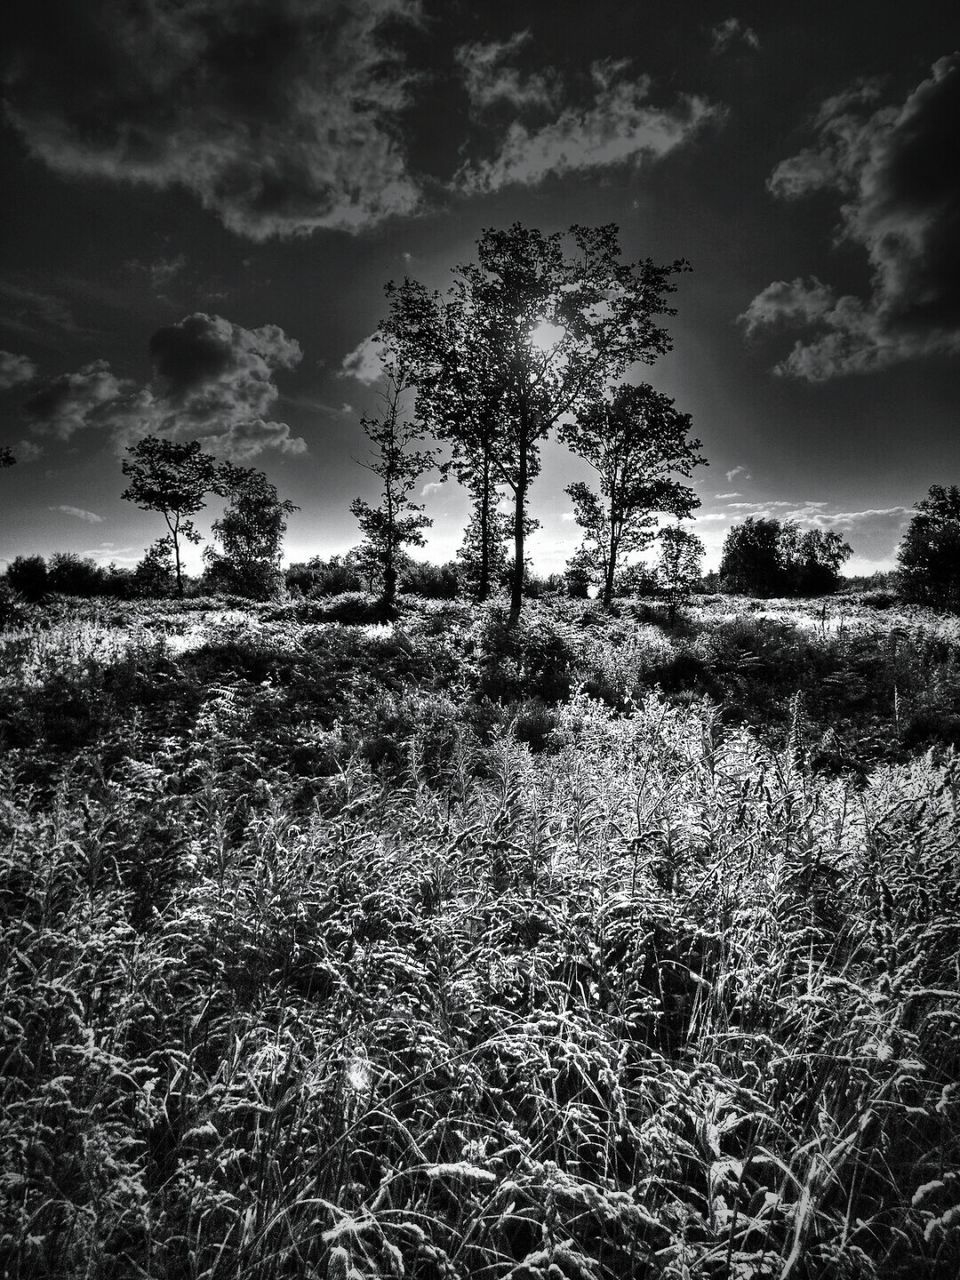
(768, 557)
(929, 554)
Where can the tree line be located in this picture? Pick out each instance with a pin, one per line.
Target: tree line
(534, 339)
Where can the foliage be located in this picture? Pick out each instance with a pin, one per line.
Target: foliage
(6, 456)
(319, 577)
(681, 559)
(527, 336)
(768, 557)
(173, 478)
(929, 555)
(28, 576)
(637, 442)
(311, 965)
(250, 532)
(397, 521)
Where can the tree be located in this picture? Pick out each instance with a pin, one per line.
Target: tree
(637, 442)
(250, 532)
(528, 336)
(395, 522)
(681, 559)
(482, 555)
(173, 478)
(929, 555)
(6, 457)
(767, 557)
(28, 576)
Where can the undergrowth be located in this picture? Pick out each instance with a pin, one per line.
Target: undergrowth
(313, 967)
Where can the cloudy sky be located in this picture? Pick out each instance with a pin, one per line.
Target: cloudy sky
(205, 198)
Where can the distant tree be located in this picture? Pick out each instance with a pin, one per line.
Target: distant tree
(929, 555)
(767, 557)
(250, 532)
(751, 562)
(174, 478)
(6, 457)
(578, 575)
(434, 581)
(73, 575)
(528, 337)
(679, 568)
(483, 553)
(638, 444)
(319, 577)
(28, 576)
(395, 522)
(153, 576)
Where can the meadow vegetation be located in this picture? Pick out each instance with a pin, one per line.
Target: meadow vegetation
(583, 947)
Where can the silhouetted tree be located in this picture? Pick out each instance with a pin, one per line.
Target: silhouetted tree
(637, 442)
(679, 567)
(395, 522)
(6, 457)
(28, 575)
(528, 336)
(767, 557)
(174, 478)
(250, 532)
(929, 555)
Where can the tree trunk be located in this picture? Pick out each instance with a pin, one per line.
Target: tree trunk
(519, 523)
(483, 585)
(176, 558)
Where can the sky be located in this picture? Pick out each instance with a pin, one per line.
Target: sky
(205, 198)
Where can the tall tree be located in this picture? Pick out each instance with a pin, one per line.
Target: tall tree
(250, 532)
(396, 521)
(929, 554)
(174, 478)
(638, 444)
(528, 336)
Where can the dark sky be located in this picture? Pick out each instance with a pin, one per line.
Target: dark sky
(205, 198)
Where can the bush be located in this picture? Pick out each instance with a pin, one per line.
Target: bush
(28, 576)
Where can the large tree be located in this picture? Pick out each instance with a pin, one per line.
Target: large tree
(929, 554)
(768, 557)
(174, 478)
(250, 532)
(396, 521)
(638, 444)
(529, 336)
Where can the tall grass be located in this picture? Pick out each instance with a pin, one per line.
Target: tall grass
(656, 1000)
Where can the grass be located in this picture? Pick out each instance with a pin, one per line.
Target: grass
(312, 966)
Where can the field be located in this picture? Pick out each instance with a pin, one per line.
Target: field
(586, 948)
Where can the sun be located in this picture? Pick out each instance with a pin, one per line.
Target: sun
(545, 336)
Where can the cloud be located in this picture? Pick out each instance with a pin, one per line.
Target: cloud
(27, 451)
(33, 312)
(213, 381)
(737, 471)
(896, 172)
(720, 496)
(15, 370)
(732, 31)
(618, 126)
(364, 362)
(278, 115)
(710, 517)
(491, 81)
(78, 513)
(873, 532)
(65, 404)
(432, 486)
(159, 271)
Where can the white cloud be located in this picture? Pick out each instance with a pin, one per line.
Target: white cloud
(738, 471)
(63, 405)
(278, 117)
(721, 496)
(15, 370)
(78, 513)
(732, 31)
(619, 126)
(432, 486)
(894, 171)
(364, 362)
(490, 80)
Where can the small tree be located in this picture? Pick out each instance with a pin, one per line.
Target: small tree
(173, 478)
(6, 457)
(395, 522)
(250, 532)
(153, 576)
(751, 563)
(679, 569)
(28, 576)
(638, 443)
(929, 554)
